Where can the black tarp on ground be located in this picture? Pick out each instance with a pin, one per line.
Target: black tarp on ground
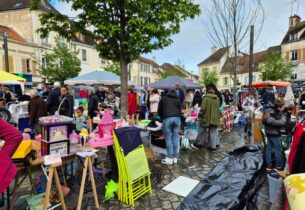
(231, 184)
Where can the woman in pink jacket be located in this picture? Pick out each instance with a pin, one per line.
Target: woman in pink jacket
(12, 138)
(154, 103)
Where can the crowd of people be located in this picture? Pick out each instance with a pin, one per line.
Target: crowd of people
(168, 105)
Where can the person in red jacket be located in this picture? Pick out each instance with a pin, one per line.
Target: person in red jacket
(132, 103)
(12, 138)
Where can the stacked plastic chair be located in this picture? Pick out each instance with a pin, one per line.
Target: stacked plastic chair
(134, 174)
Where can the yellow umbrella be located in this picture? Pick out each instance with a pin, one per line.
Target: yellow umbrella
(4, 77)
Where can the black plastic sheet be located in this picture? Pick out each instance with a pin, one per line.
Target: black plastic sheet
(231, 184)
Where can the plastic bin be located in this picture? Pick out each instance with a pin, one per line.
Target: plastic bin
(146, 138)
(274, 186)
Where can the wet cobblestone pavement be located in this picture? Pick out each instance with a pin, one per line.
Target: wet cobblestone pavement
(193, 164)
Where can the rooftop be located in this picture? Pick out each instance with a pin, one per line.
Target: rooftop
(7, 5)
(243, 62)
(148, 61)
(215, 57)
(12, 34)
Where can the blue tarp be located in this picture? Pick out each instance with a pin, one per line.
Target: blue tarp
(171, 81)
(96, 77)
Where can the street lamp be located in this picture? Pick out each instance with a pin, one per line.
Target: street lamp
(5, 36)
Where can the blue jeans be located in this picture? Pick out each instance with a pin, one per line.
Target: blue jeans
(171, 128)
(274, 143)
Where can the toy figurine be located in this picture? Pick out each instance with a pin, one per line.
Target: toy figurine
(84, 135)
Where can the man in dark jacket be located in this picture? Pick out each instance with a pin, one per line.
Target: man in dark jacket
(53, 99)
(180, 93)
(170, 111)
(101, 94)
(268, 98)
(274, 120)
(66, 106)
(92, 104)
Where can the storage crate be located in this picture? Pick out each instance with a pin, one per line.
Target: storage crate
(58, 147)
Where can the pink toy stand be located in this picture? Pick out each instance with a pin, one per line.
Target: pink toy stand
(105, 131)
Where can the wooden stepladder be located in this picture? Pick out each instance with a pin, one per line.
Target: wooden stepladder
(87, 166)
(53, 173)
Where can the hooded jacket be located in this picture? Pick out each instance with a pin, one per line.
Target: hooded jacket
(209, 112)
(169, 106)
(274, 122)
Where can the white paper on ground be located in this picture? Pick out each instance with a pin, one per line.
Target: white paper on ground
(181, 186)
(86, 153)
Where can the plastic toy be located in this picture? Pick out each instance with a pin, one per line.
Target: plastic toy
(25, 153)
(105, 127)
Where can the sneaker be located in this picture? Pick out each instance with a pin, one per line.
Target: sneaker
(175, 160)
(167, 161)
(269, 168)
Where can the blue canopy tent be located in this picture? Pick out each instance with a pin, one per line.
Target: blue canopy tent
(96, 77)
(171, 81)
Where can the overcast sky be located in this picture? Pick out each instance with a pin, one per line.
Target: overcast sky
(191, 45)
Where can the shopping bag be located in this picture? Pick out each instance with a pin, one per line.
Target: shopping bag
(191, 132)
(185, 143)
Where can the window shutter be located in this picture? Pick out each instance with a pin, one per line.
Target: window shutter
(23, 63)
(34, 68)
(299, 55)
(11, 64)
(287, 56)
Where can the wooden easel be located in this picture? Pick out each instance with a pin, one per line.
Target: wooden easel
(53, 171)
(87, 165)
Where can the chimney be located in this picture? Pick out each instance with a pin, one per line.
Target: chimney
(294, 20)
(213, 50)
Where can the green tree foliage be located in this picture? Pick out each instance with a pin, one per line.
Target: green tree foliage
(122, 29)
(273, 67)
(62, 64)
(208, 77)
(114, 68)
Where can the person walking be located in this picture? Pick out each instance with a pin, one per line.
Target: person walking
(227, 97)
(8, 95)
(197, 99)
(169, 110)
(66, 106)
(180, 93)
(92, 104)
(274, 120)
(268, 98)
(53, 99)
(154, 103)
(209, 118)
(132, 103)
(37, 108)
(188, 99)
(101, 94)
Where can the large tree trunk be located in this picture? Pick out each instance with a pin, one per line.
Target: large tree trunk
(124, 87)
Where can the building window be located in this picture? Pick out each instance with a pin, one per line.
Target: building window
(254, 78)
(84, 55)
(145, 67)
(45, 40)
(225, 81)
(294, 76)
(43, 62)
(28, 66)
(294, 55)
(293, 37)
(246, 79)
(135, 79)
